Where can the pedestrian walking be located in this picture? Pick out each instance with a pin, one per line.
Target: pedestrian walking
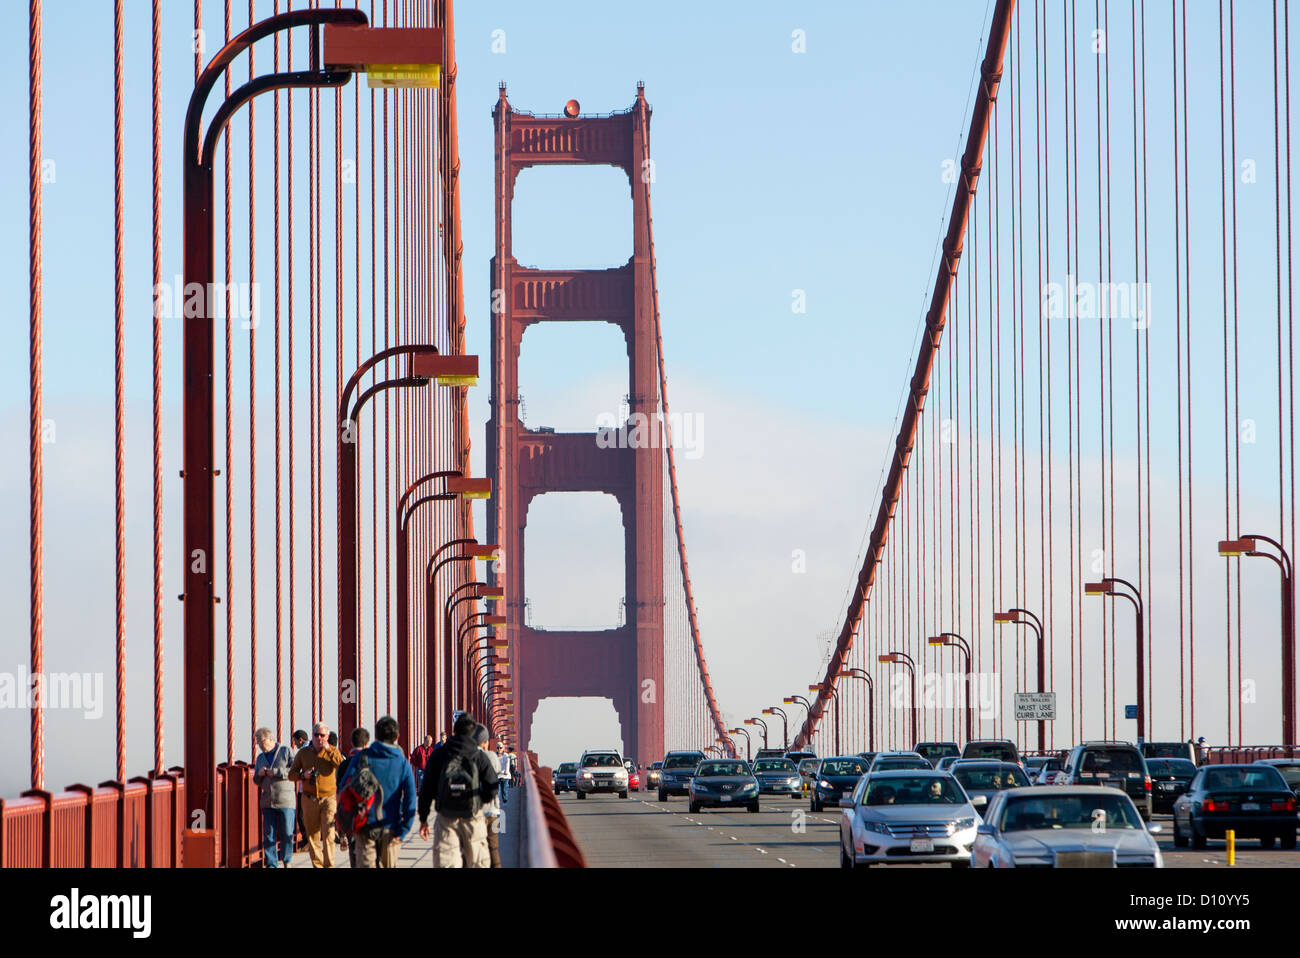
(460, 778)
(300, 740)
(315, 766)
(420, 759)
(276, 799)
(504, 772)
(380, 770)
(492, 817)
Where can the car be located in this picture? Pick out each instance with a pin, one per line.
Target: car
(652, 775)
(808, 772)
(769, 753)
(998, 749)
(633, 776)
(982, 780)
(894, 761)
(1075, 826)
(798, 757)
(1252, 800)
(676, 772)
(777, 776)
(1117, 764)
(933, 751)
(945, 764)
(868, 757)
(1047, 771)
(564, 778)
(723, 782)
(835, 779)
(908, 816)
(1033, 764)
(1289, 767)
(1186, 750)
(601, 770)
(1169, 779)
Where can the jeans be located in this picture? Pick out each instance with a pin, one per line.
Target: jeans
(502, 783)
(277, 829)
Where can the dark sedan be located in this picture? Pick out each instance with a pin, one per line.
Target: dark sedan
(835, 780)
(1169, 779)
(778, 776)
(565, 776)
(1252, 800)
(723, 782)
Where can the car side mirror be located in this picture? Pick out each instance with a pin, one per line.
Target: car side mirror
(1155, 828)
(979, 801)
(984, 830)
(846, 803)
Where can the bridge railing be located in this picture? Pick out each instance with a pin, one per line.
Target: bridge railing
(547, 841)
(1238, 754)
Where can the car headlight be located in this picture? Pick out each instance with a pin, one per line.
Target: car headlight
(1031, 860)
(747, 789)
(586, 774)
(824, 784)
(872, 825)
(961, 825)
(794, 780)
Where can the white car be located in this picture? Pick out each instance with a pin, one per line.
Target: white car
(907, 817)
(1077, 826)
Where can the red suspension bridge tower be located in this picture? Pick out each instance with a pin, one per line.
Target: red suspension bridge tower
(625, 664)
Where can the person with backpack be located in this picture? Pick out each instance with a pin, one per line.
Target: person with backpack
(459, 779)
(492, 810)
(277, 799)
(376, 808)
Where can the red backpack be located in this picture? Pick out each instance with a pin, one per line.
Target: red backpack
(361, 794)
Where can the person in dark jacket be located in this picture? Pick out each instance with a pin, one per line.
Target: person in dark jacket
(460, 830)
(378, 844)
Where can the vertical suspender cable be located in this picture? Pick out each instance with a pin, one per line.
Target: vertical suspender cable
(35, 388)
(119, 425)
(275, 193)
(252, 414)
(156, 219)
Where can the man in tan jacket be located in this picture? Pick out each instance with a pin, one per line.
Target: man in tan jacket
(315, 766)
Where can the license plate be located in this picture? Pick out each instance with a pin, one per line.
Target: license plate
(1167, 787)
(1250, 806)
(922, 845)
(726, 798)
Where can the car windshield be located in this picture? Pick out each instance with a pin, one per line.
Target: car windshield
(708, 769)
(681, 761)
(994, 750)
(984, 777)
(1111, 760)
(892, 764)
(844, 766)
(600, 758)
(568, 766)
(903, 790)
(656, 765)
(774, 765)
(1234, 778)
(808, 765)
(1095, 812)
(1165, 750)
(1290, 774)
(933, 750)
(1171, 766)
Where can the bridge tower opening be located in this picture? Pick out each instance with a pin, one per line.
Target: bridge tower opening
(624, 664)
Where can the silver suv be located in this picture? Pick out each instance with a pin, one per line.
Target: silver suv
(601, 770)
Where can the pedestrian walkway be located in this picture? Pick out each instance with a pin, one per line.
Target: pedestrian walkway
(418, 853)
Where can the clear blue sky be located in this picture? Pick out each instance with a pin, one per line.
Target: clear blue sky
(776, 171)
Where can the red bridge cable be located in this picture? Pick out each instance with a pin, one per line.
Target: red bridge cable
(35, 386)
(226, 475)
(991, 72)
(253, 320)
(279, 729)
(156, 222)
(119, 401)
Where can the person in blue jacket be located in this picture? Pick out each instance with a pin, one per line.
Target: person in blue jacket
(379, 843)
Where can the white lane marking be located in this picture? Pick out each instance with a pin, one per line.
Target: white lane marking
(782, 861)
(761, 851)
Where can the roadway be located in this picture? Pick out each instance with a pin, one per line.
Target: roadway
(640, 832)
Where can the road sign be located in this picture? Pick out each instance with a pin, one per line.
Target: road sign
(1035, 706)
(1130, 711)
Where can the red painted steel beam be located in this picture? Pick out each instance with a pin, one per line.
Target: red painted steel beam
(971, 163)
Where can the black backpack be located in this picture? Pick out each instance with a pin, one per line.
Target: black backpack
(362, 793)
(458, 787)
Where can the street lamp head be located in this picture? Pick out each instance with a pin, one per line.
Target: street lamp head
(475, 488)
(884, 659)
(749, 721)
(491, 592)
(392, 58)
(1004, 617)
(1237, 547)
(788, 701)
(814, 688)
(937, 640)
